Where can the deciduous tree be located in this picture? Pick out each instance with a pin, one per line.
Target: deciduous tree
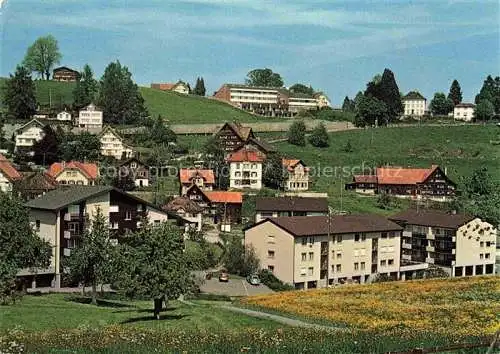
(264, 77)
(273, 175)
(301, 88)
(154, 265)
(491, 92)
(80, 147)
(455, 93)
(19, 95)
(89, 263)
(485, 110)
(386, 90)
(296, 133)
(20, 246)
(42, 55)
(120, 97)
(319, 136)
(86, 88)
(440, 105)
(371, 112)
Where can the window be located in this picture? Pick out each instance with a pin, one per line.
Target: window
(392, 234)
(303, 271)
(339, 267)
(356, 253)
(383, 263)
(37, 225)
(311, 256)
(384, 234)
(356, 266)
(270, 268)
(339, 255)
(139, 207)
(310, 271)
(356, 237)
(311, 239)
(487, 256)
(128, 215)
(488, 244)
(391, 262)
(270, 254)
(270, 239)
(339, 238)
(304, 241)
(362, 265)
(363, 237)
(304, 256)
(363, 252)
(480, 256)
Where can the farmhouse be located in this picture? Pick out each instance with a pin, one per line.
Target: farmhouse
(112, 144)
(415, 183)
(179, 87)
(203, 178)
(464, 111)
(34, 184)
(63, 73)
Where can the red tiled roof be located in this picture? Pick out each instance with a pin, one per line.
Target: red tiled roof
(291, 163)
(164, 87)
(400, 175)
(8, 170)
(365, 178)
(224, 197)
(245, 155)
(187, 174)
(89, 169)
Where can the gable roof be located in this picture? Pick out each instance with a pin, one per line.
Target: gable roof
(432, 217)
(245, 155)
(413, 95)
(339, 224)
(291, 204)
(36, 181)
(133, 159)
(31, 122)
(90, 170)
(291, 163)
(400, 175)
(365, 178)
(244, 133)
(8, 170)
(224, 197)
(183, 203)
(263, 145)
(62, 197)
(65, 68)
(187, 174)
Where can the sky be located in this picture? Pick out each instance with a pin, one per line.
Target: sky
(335, 46)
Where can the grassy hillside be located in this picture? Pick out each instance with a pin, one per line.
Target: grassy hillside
(59, 93)
(459, 149)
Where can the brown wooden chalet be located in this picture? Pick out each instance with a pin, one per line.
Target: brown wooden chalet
(34, 184)
(415, 183)
(233, 136)
(219, 206)
(63, 73)
(137, 169)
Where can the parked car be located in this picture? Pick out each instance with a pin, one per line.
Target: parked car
(224, 276)
(253, 279)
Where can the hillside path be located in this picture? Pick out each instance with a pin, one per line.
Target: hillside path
(277, 318)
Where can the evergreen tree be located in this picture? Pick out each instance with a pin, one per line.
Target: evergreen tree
(319, 136)
(386, 90)
(120, 97)
(491, 92)
(20, 246)
(348, 105)
(199, 88)
(440, 105)
(86, 88)
(81, 147)
(153, 264)
(296, 133)
(19, 95)
(455, 93)
(357, 100)
(215, 159)
(46, 150)
(160, 133)
(485, 110)
(273, 175)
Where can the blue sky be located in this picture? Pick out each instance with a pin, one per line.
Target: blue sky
(335, 46)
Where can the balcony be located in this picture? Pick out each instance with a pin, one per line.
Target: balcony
(429, 260)
(407, 234)
(406, 246)
(113, 209)
(75, 216)
(406, 257)
(429, 248)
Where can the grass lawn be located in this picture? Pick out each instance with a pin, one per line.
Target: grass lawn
(459, 149)
(39, 313)
(58, 93)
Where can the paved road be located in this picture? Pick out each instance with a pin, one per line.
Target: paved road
(234, 287)
(277, 318)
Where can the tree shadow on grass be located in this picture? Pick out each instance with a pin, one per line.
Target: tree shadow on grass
(152, 318)
(145, 310)
(100, 302)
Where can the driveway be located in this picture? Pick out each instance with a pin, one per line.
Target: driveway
(234, 287)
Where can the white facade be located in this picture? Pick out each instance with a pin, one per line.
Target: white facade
(464, 112)
(89, 117)
(64, 116)
(245, 175)
(5, 184)
(181, 88)
(27, 135)
(112, 145)
(323, 101)
(254, 95)
(296, 104)
(414, 107)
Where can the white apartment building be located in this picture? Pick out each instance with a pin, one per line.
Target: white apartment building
(89, 117)
(245, 167)
(414, 104)
(112, 144)
(63, 116)
(464, 111)
(461, 244)
(298, 103)
(320, 251)
(28, 134)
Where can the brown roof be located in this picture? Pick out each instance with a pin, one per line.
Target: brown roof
(365, 179)
(339, 224)
(37, 181)
(291, 204)
(430, 217)
(183, 203)
(243, 132)
(8, 170)
(224, 197)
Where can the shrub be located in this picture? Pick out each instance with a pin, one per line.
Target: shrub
(267, 278)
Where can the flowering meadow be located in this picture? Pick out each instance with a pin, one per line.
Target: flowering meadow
(449, 307)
